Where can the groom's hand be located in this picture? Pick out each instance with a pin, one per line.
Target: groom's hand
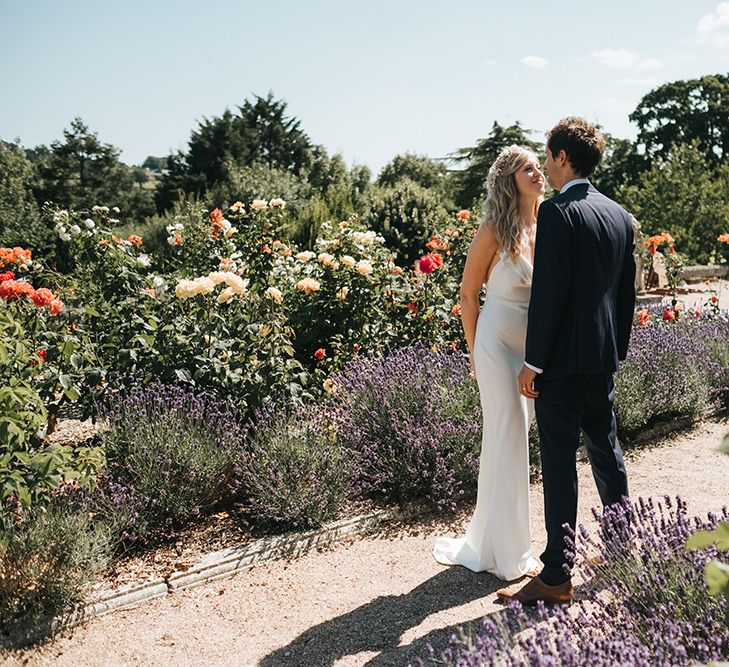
(526, 382)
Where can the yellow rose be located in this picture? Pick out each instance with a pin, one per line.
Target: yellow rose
(274, 294)
(348, 261)
(308, 285)
(364, 267)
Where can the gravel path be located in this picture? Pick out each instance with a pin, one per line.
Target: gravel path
(375, 601)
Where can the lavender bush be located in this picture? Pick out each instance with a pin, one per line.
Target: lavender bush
(172, 453)
(411, 422)
(296, 475)
(644, 604)
(673, 369)
(47, 556)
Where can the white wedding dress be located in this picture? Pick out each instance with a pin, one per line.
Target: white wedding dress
(497, 539)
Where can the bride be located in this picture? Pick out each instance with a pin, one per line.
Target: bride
(497, 539)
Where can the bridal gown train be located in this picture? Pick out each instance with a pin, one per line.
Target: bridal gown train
(497, 539)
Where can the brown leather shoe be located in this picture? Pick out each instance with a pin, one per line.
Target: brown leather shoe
(536, 590)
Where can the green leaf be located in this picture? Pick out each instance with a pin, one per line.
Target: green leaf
(707, 538)
(72, 393)
(717, 577)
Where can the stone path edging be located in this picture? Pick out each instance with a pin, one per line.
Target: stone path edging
(226, 563)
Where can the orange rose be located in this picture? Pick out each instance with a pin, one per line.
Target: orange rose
(320, 354)
(55, 307)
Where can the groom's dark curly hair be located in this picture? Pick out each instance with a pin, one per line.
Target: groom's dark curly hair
(582, 142)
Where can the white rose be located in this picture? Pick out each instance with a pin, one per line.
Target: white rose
(364, 267)
(75, 230)
(274, 294)
(277, 203)
(326, 259)
(259, 204)
(305, 256)
(64, 237)
(227, 294)
(144, 261)
(116, 209)
(90, 224)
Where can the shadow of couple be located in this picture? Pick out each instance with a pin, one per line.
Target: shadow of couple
(378, 626)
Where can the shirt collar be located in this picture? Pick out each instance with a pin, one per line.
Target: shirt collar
(574, 181)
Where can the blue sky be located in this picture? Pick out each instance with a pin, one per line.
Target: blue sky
(369, 80)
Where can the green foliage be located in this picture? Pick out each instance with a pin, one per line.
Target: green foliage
(30, 468)
(406, 215)
(81, 171)
(621, 166)
(684, 112)
(47, 558)
(261, 133)
(470, 180)
(682, 195)
(20, 222)
(420, 169)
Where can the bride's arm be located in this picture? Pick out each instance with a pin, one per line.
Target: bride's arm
(480, 256)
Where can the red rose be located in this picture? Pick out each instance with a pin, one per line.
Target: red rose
(7, 288)
(42, 354)
(430, 262)
(714, 300)
(320, 354)
(669, 314)
(216, 216)
(8, 275)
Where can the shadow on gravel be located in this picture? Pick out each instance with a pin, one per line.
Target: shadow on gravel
(378, 625)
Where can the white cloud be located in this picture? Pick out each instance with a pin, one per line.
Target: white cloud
(647, 82)
(614, 106)
(534, 61)
(649, 64)
(714, 27)
(620, 58)
(624, 59)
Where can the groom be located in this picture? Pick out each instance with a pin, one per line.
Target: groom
(580, 316)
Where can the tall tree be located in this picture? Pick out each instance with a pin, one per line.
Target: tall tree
(424, 171)
(680, 194)
(621, 166)
(685, 111)
(19, 215)
(260, 133)
(81, 171)
(478, 159)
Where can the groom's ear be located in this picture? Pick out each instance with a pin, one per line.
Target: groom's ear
(562, 158)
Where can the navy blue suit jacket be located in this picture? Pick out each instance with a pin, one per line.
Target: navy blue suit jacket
(583, 286)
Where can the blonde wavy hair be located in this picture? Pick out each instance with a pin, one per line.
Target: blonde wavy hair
(501, 207)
